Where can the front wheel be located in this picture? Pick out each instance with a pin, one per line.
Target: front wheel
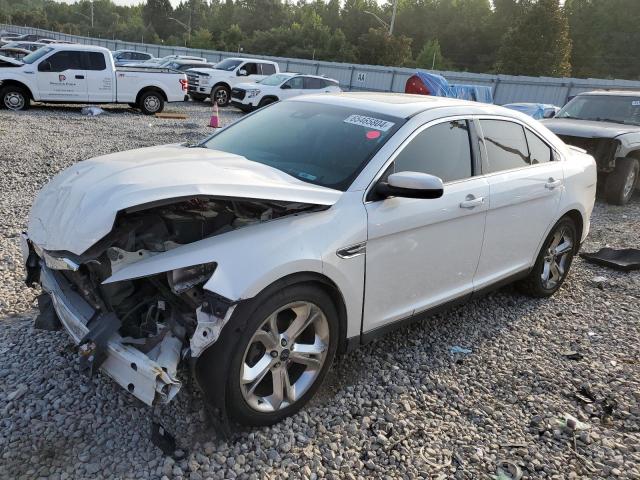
(151, 103)
(622, 181)
(14, 98)
(221, 95)
(282, 356)
(554, 260)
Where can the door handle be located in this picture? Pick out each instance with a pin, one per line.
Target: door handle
(552, 183)
(80, 77)
(472, 202)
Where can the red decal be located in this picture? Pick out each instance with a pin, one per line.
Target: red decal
(373, 134)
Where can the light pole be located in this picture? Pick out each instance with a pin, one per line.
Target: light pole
(393, 17)
(185, 26)
(90, 18)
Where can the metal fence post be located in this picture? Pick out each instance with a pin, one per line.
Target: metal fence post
(353, 69)
(393, 76)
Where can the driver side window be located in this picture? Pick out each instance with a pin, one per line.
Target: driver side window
(63, 60)
(295, 82)
(251, 68)
(443, 150)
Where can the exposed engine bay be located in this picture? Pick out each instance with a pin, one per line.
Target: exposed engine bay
(167, 316)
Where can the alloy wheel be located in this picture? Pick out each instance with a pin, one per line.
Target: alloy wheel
(151, 103)
(557, 257)
(221, 97)
(284, 356)
(14, 100)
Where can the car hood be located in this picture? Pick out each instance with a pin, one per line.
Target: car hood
(587, 128)
(249, 85)
(11, 60)
(79, 205)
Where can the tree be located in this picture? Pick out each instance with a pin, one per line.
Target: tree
(431, 58)
(201, 38)
(377, 47)
(538, 44)
(156, 13)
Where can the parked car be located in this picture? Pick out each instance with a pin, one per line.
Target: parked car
(607, 125)
(154, 62)
(31, 46)
(302, 230)
(86, 74)
(17, 53)
(130, 57)
(28, 37)
(248, 96)
(535, 110)
(218, 81)
(184, 65)
(7, 37)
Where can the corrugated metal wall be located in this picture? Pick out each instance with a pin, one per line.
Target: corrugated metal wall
(506, 88)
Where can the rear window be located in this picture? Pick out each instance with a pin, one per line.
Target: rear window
(325, 145)
(94, 61)
(506, 145)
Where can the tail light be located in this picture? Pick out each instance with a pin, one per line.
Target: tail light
(185, 84)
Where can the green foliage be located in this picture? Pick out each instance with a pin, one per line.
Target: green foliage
(534, 37)
(538, 44)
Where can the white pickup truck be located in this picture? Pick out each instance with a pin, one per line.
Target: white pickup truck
(73, 73)
(218, 81)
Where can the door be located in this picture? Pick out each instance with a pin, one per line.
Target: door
(526, 182)
(315, 85)
(100, 83)
(291, 88)
(422, 253)
(61, 77)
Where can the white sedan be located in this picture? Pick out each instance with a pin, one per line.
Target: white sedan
(299, 232)
(279, 86)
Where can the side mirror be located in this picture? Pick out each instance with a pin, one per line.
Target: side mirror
(411, 185)
(285, 86)
(44, 66)
(550, 113)
(242, 73)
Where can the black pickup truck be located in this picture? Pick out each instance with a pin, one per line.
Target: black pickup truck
(607, 125)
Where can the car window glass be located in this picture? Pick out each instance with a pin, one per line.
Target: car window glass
(539, 152)
(442, 150)
(311, 83)
(506, 145)
(251, 68)
(295, 82)
(65, 60)
(268, 69)
(94, 61)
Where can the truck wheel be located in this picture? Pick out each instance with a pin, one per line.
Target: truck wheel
(221, 95)
(151, 102)
(14, 98)
(132, 105)
(622, 181)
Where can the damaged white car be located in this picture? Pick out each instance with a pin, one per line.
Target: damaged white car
(301, 231)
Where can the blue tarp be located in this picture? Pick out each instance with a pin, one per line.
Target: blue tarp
(535, 110)
(440, 87)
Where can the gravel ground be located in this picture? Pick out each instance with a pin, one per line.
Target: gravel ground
(404, 407)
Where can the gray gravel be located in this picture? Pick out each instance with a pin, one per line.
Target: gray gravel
(404, 407)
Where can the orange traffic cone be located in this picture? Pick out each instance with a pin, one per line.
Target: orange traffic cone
(215, 116)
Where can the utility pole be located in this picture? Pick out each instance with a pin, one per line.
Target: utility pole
(92, 14)
(393, 16)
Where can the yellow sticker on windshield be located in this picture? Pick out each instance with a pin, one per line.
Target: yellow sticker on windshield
(369, 122)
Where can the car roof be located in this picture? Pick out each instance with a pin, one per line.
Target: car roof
(621, 93)
(402, 105)
(248, 59)
(77, 46)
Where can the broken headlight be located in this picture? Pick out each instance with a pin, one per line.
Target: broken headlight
(183, 279)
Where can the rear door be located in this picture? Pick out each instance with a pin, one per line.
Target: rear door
(526, 182)
(100, 82)
(61, 77)
(315, 85)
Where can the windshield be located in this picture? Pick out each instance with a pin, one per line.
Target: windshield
(604, 108)
(326, 145)
(227, 64)
(32, 57)
(273, 80)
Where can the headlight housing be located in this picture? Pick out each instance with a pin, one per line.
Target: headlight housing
(254, 92)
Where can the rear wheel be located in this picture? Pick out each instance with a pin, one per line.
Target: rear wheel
(151, 102)
(221, 95)
(283, 355)
(14, 98)
(554, 260)
(622, 181)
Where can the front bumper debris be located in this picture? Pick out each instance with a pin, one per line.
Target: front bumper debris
(151, 380)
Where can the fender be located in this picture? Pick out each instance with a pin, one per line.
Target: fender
(26, 80)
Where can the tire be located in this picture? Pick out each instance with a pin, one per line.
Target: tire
(151, 102)
(261, 363)
(541, 281)
(132, 105)
(622, 181)
(266, 101)
(14, 98)
(221, 95)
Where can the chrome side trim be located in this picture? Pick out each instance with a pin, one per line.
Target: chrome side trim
(352, 250)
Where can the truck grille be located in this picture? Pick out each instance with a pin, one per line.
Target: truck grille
(602, 149)
(238, 93)
(194, 81)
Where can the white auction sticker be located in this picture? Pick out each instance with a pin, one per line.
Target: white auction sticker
(369, 122)
(635, 103)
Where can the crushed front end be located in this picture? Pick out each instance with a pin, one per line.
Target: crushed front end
(604, 150)
(139, 330)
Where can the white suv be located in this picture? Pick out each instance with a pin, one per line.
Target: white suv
(218, 81)
(248, 96)
(301, 231)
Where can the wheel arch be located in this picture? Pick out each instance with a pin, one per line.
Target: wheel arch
(151, 88)
(221, 84)
(575, 215)
(17, 83)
